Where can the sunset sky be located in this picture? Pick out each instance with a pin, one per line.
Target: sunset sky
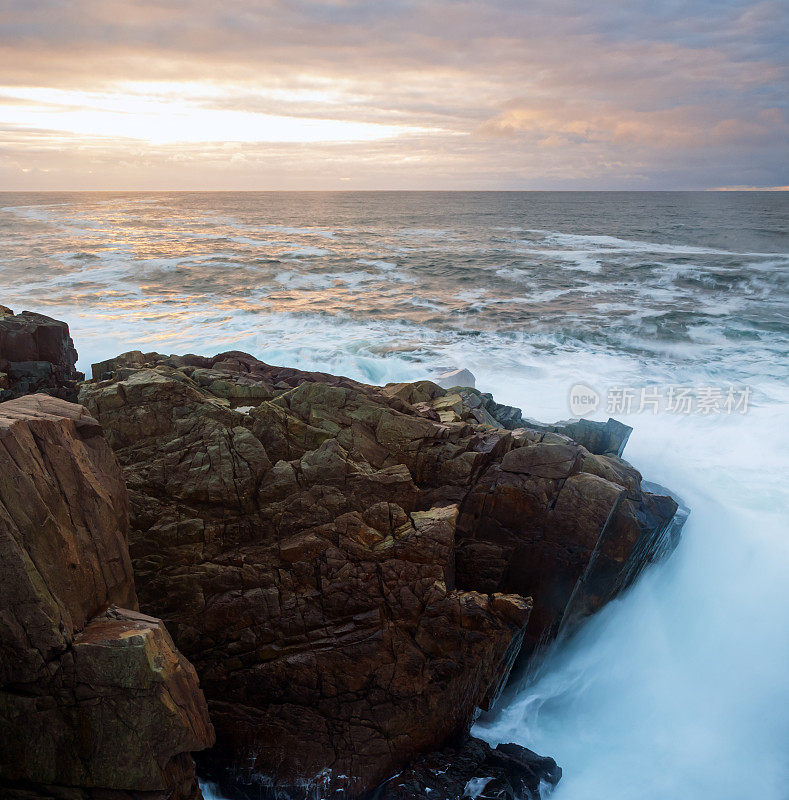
(393, 94)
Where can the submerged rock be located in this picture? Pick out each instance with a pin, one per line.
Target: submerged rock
(36, 355)
(95, 700)
(348, 566)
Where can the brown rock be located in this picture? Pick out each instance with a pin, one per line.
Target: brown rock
(93, 698)
(309, 558)
(287, 553)
(36, 355)
(562, 525)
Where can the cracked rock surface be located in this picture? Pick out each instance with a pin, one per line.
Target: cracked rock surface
(95, 700)
(350, 568)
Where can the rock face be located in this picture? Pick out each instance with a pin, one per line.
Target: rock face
(563, 524)
(293, 566)
(36, 355)
(599, 438)
(471, 768)
(95, 700)
(345, 565)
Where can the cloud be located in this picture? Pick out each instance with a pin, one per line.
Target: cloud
(447, 93)
(683, 127)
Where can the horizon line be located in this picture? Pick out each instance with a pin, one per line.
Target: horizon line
(719, 189)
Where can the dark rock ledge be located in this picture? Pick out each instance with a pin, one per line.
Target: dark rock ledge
(351, 570)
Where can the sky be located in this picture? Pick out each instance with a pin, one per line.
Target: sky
(393, 94)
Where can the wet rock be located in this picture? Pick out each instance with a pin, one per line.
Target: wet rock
(36, 355)
(600, 438)
(563, 525)
(309, 556)
(287, 553)
(472, 769)
(95, 701)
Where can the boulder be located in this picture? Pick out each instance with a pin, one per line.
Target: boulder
(286, 550)
(36, 355)
(471, 768)
(348, 566)
(95, 700)
(456, 377)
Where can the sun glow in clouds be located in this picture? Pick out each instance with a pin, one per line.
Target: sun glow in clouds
(184, 114)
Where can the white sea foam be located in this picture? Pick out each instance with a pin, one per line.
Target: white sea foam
(616, 244)
(307, 250)
(384, 265)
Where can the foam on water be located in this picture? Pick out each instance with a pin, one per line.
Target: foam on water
(678, 689)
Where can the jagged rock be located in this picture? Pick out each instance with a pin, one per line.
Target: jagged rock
(563, 522)
(472, 769)
(36, 355)
(285, 549)
(600, 438)
(95, 701)
(305, 554)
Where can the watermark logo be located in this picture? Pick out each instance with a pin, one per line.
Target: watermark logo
(583, 400)
(701, 400)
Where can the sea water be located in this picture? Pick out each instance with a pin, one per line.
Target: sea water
(680, 688)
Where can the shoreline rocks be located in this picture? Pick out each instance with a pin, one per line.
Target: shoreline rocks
(353, 571)
(472, 768)
(351, 568)
(95, 701)
(298, 572)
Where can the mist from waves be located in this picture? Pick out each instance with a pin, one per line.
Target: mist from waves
(677, 689)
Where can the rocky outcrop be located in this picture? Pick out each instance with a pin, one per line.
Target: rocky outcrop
(36, 355)
(599, 438)
(471, 768)
(95, 700)
(313, 595)
(346, 565)
(563, 524)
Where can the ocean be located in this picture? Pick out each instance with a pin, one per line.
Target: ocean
(667, 310)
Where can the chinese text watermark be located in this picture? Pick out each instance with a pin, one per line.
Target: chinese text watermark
(702, 400)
